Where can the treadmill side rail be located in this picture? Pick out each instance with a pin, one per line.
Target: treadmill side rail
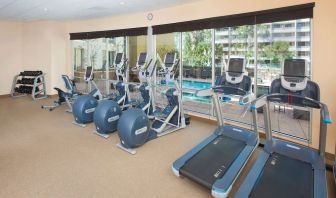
(320, 186)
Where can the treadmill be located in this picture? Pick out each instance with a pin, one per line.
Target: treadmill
(217, 161)
(286, 169)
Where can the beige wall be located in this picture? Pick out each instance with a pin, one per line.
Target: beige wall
(10, 54)
(45, 48)
(47, 43)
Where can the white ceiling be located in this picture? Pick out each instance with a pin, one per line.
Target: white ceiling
(32, 10)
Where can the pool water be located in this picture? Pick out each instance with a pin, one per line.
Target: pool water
(189, 84)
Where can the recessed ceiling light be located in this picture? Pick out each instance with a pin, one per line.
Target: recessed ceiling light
(122, 3)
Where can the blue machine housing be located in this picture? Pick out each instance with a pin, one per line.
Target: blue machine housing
(231, 89)
(133, 128)
(106, 116)
(83, 109)
(120, 87)
(146, 98)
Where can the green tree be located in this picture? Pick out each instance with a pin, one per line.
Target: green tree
(197, 48)
(277, 51)
(245, 34)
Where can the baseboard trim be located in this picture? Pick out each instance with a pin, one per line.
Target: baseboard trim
(5, 96)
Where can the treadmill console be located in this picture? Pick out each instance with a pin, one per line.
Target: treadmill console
(294, 76)
(235, 70)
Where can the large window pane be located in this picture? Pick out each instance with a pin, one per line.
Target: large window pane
(276, 42)
(80, 61)
(165, 43)
(114, 45)
(235, 42)
(136, 45)
(197, 69)
(98, 60)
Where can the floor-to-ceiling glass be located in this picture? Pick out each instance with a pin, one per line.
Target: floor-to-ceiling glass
(197, 70)
(165, 43)
(276, 42)
(80, 61)
(235, 42)
(113, 46)
(136, 45)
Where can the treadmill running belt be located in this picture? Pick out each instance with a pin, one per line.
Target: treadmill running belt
(285, 177)
(211, 163)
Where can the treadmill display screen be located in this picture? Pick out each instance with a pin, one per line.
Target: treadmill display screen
(88, 72)
(294, 68)
(236, 65)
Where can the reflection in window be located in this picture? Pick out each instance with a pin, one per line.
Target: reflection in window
(165, 43)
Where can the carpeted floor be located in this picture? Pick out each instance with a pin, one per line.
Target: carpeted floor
(43, 155)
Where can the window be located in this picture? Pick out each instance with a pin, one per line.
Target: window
(165, 43)
(80, 61)
(197, 69)
(136, 45)
(270, 57)
(240, 44)
(114, 45)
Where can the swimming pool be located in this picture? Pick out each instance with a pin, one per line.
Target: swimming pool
(196, 85)
(190, 84)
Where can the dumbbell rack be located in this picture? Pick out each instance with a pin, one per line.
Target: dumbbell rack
(36, 82)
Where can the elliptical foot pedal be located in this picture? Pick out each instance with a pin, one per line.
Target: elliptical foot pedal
(101, 134)
(130, 151)
(78, 124)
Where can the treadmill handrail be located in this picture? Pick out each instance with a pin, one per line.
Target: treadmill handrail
(225, 86)
(261, 101)
(242, 98)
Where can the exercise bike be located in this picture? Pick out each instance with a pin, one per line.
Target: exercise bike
(64, 96)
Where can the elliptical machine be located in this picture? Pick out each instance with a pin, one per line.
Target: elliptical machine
(84, 106)
(108, 112)
(134, 126)
(121, 95)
